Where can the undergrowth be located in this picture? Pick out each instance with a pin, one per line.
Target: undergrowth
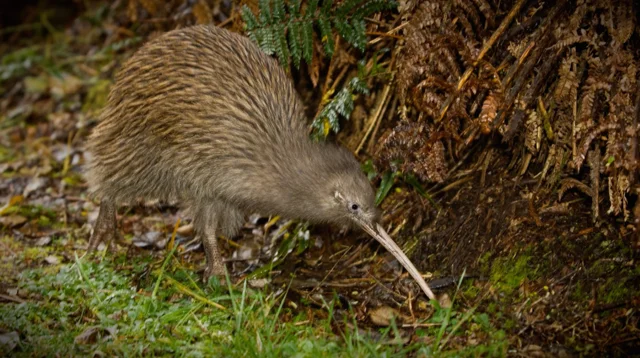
(119, 308)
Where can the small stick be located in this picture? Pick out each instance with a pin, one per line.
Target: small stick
(376, 117)
(389, 34)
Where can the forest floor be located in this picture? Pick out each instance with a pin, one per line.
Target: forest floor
(511, 279)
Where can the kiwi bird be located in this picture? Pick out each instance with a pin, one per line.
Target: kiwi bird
(201, 116)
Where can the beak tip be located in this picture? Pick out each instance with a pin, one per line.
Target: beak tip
(378, 232)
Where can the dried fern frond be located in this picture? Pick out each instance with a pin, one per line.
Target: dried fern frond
(577, 58)
(570, 183)
(567, 86)
(533, 132)
(427, 156)
(623, 22)
(489, 111)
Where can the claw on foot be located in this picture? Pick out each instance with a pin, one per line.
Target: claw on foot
(214, 269)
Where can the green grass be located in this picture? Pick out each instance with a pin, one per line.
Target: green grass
(119, 307)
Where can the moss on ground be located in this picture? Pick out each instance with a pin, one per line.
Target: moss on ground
(508, 273)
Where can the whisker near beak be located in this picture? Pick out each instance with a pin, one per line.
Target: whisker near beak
(385, 240)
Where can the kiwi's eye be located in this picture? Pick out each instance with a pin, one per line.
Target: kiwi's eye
(355, 207)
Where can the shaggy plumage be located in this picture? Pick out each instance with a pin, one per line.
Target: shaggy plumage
(202, 116)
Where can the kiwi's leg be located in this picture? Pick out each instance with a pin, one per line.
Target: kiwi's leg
(206, 224)
(215, 265)
(105, 228)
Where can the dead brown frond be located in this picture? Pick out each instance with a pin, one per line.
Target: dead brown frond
(622, 22)
(533, 132)
(555, 80)
(571, 183)
(567, 85)
(489, 111)
(419, 149)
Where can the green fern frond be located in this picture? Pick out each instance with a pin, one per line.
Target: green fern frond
(329, 118)
(326, 6)
(286, 29)
(359, 34)
(278, 11)
(294, 6)
(374, 6)
(266, 40)
(250, 20)
(311, 9)
(344, 104)
(346, 7)
(265, 12)
(349, 33)
(326, 35)
(295, 42)
(307, 41)
(341, 105)
(282, 49)
(358, 85)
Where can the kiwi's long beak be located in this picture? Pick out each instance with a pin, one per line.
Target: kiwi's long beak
(383, 238)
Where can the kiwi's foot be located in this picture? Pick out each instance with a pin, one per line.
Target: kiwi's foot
(105, 228)
(216, 269)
